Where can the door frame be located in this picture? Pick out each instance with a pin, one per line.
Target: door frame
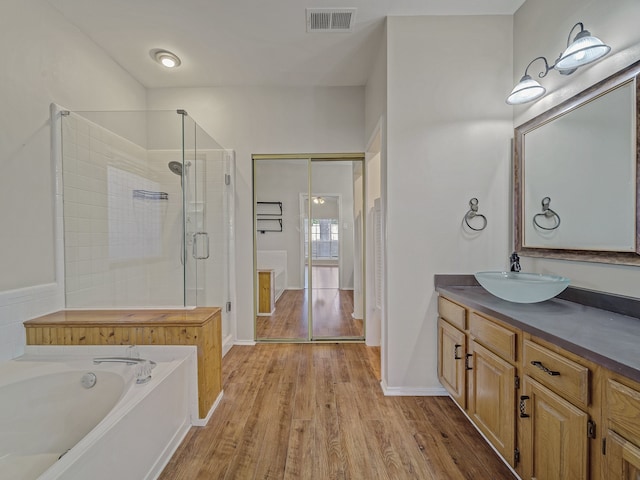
(303, 219)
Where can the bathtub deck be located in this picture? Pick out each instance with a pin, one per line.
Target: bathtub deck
(201, 327)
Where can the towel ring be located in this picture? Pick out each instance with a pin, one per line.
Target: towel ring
(547, 213)
(473, 213)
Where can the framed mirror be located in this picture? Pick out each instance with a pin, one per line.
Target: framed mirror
(576, 176)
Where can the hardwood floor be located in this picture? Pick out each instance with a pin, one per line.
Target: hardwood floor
(332, 309)
(316, 411)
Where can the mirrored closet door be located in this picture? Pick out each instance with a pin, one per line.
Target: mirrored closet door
(309, 248)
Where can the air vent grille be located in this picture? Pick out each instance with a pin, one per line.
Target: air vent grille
(330, 19)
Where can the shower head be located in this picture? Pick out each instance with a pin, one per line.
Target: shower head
(176, 167)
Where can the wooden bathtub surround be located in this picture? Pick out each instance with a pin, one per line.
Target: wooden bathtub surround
(200, 327)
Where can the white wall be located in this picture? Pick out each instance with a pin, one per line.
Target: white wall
(254, 120)
(376, 90)
(46, 60)
(448, 139)
(376, 174)
(541, 27)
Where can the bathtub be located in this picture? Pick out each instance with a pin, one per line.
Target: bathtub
(54, 427)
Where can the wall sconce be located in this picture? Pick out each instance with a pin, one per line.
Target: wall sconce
(318, 200)
(584, 49)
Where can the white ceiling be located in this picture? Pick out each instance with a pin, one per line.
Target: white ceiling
(249, 42)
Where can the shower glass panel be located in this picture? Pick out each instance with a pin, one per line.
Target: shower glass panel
(146, 211)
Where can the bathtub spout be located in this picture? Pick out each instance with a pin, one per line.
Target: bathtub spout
(127, 360)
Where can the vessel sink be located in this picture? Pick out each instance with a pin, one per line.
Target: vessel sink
(522, 287)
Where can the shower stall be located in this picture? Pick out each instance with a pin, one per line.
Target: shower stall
(147, 211)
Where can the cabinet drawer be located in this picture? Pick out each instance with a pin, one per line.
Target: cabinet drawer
(493, 336)
(564, 376)
(622, 408)
(452, 313)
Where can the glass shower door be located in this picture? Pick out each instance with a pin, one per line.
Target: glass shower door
(146, 211)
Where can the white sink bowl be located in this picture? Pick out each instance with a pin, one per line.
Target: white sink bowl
(522, 287)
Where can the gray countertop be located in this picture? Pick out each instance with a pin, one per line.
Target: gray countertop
(607, 338)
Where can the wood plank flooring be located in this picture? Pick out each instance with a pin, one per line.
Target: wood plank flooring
(332, 309)
(316, 411)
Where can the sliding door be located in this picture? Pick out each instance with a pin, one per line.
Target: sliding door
(334, 248)
(308, 247)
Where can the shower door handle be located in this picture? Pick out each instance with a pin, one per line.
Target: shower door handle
(200, 252)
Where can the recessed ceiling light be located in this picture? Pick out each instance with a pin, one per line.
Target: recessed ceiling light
(165, 58)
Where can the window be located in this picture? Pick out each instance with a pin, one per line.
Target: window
(324, 239)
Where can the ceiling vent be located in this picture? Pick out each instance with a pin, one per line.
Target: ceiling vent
(330, 19)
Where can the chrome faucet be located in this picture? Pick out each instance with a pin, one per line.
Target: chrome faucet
(143, 367)
(127, 360)
(515, 262)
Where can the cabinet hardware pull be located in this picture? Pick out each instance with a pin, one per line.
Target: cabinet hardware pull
(456, 355)
(523, 407)
(466, 361)
(544, 369)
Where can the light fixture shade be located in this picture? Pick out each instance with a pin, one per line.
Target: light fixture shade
(583, 50)
(525, 91)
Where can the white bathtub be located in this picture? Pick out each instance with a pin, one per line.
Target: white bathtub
(51, 427)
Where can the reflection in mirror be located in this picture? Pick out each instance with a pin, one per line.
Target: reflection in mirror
(309, 275)
(578, 163)
(584, 161)
(335, 249)
(282, 310)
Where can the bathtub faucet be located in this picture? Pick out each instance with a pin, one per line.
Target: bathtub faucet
(127, 360)
(143, 367)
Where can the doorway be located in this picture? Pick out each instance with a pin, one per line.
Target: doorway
(309, 247)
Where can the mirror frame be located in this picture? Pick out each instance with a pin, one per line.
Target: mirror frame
(602, 256)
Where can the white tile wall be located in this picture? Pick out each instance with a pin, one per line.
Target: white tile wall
(17, 306)
(85, 260)
(119, 251)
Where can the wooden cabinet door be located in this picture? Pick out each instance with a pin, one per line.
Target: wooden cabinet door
(451, 354)
(622, 458)
(491, 398)
(554, 443)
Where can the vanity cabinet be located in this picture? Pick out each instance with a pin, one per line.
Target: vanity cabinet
(452, 349)
(540, 406)
(621, 445)
(476, 365)
(491, 379)
(451, 367)
(557, 417)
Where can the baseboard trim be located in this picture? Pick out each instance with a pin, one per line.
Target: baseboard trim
(227, 343)
(201, 422)
(412, 391)
(246, 343)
